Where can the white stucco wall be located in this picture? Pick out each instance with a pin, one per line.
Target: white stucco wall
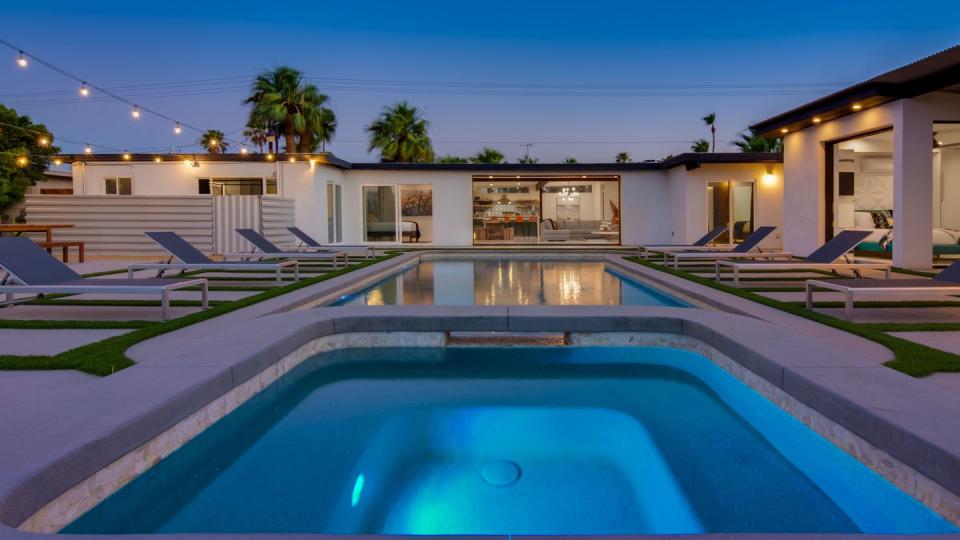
(656, 206)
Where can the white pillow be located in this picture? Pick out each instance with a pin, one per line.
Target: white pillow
(863, 220)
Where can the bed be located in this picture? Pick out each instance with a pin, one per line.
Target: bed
(880, 241)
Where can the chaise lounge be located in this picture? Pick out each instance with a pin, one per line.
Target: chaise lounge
(644, 251)
(823, 258)
(310, 244)
(946, 283)
(192, 258)
(743, 250)
(38, 272)
(269, 249)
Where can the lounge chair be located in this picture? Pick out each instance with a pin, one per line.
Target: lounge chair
(269, 249)
(38, 272)
(192, 259)
(702, 242)
(823, 258)
(743, 250)
(946, 283)
(310, 243)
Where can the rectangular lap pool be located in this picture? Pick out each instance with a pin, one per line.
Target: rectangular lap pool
(524, 440)
(513, 282)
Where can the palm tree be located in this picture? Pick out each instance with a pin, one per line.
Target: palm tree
(570, 160)
(321, 123)
(213, 141)
(700, 145)
(751, 141)
(283, 103)
(257, 135)
(711, 121)
(447, 158)
(400, 134)
(527, 159)
(487, 155)
(623, 157)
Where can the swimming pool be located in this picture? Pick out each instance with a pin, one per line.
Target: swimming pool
(489, 282)
(519, 440)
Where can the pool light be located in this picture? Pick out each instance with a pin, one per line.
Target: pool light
(357, 490)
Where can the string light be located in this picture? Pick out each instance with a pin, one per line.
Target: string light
(213, 143)
(57, 161)
(126, 156)
(87, 88)
(23, 161)
(157, 159)
(270, 156)
(87, 149)
(177, 129)
(43, 141)
(243, 150)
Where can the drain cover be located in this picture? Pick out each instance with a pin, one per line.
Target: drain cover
(500, 473)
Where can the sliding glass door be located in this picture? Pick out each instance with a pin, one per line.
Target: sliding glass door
(334, 218)
(730, 204)
(398, 213)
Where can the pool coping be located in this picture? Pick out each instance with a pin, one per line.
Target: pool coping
(90, 427)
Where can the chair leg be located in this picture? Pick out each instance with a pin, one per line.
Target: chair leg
(205, 295)
(296, 271)
(164, 304)
(848, 306)
(736, 276)
(279, 275)
(809, 296)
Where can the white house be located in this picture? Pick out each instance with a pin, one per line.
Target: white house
(882, 155)
(672, 201)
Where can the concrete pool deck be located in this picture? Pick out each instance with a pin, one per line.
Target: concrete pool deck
(88, 426)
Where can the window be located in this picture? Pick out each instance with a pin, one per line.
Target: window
(118, 186)
(235, 186)
(271, 186)
(730, 204)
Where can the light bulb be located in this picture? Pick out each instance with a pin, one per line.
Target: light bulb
(84, 90)
(23, 161)
(270, 156)
(43, 141)
(135, 112)
(157, 159)
(243, 150)
(87, 149)
(177, 129)
(57, 161)
(126, 156)
(22, 60)
(292, 159)
(213, 143)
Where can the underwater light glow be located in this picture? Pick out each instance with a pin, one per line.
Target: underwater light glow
(357, 490)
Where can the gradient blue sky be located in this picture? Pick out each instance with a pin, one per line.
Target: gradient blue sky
(683, 45)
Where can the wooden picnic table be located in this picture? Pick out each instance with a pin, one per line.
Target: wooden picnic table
(20, 228)
(47, 228)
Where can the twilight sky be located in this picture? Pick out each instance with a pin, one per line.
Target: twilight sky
(580, 79)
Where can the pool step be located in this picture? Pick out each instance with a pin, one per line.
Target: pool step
(507, 338)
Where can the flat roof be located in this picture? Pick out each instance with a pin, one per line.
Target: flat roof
(935, 72)
(690, 160)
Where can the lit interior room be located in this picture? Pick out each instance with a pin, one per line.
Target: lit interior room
(863, 192)
(553, 210)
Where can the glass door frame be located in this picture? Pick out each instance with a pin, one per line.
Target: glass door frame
(730, 205)
(397, 212)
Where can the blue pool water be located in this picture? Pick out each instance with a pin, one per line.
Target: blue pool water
(526, 440)
(508, 282)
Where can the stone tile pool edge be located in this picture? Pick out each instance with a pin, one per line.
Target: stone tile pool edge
(784, 367)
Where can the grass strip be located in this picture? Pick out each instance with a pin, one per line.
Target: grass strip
(914, 327)
(109, 355)
(883, 304)
(119, 303)
(909, 357)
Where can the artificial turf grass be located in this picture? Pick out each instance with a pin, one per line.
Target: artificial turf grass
(109, 355)
(71, 325)
(909, 357)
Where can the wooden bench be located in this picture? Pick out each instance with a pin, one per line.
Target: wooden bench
(64, 245)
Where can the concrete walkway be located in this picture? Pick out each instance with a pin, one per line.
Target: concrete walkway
(20, 387)
(49, 342)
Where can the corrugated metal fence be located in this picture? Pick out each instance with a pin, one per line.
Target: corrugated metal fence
(114, 225)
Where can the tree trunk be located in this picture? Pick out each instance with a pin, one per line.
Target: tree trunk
(713, 135)
(290, 138)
